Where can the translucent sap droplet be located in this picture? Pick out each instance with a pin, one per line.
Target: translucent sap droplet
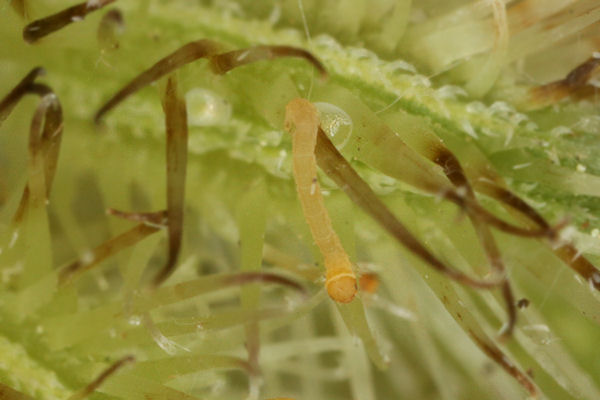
(206, 108)
(336, 123)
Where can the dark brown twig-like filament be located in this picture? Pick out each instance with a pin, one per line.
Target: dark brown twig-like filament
(69, 272)
(95, 384)
(492, 220)
(245, 278)
(44, 142)
(177, 146)
(342, 173)
(224, 62)
(566, 251)
(11, 99)
(493, 352)
(454, 171)
(45, 26)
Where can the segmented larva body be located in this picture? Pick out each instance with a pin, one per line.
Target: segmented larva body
(302, 121)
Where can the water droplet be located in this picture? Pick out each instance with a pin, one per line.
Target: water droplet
(206, 108)
(87, 257)
(134, 320)
(336, 123)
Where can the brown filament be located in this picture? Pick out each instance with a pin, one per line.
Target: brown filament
(221, 63)
(496, 354)
(566, 252)
(177, 141)
(45, 26)
(44, 146)
(112, 246)
(44, 142)
(95, 384)
(498, 223)
(156, 218)
(244, 278)
(455, 173)
(510, 199)
(342, 173)
(23, 87)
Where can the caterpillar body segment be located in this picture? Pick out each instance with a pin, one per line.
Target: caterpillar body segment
(302, 121)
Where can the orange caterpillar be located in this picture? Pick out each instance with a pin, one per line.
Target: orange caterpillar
(302, 121)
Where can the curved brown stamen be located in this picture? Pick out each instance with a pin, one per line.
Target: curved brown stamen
(23, 87)
(112, 246)
(455, 173)
(221, 63)
(45, 26)
(244, 278)
(498, 356)
(44, 142)
(177, 141)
